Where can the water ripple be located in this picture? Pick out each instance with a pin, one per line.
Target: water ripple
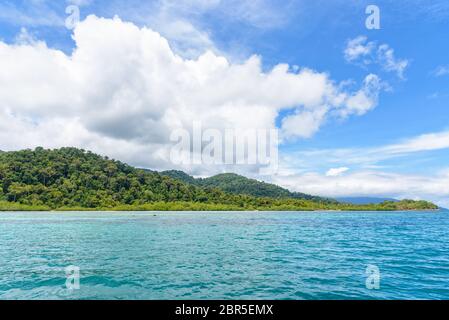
(225, 255)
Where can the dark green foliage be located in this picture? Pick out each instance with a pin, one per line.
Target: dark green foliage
(236, 184)
(69, 178)
(182, 176)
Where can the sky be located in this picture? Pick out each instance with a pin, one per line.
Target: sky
(360, 112)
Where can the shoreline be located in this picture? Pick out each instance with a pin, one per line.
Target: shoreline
(275, 205)
(214, 211)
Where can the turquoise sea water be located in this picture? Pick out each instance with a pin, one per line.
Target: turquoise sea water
(260, 255)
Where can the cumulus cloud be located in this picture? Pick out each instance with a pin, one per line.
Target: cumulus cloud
(360, 50)
(123, 90)
(304, 123)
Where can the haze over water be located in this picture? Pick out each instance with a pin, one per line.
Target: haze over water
(227, 255)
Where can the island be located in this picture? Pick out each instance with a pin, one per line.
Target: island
(71, 179)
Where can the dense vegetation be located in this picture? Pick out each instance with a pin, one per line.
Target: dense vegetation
(73, 179)
(236, 184)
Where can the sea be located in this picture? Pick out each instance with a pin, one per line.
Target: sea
(224, 255)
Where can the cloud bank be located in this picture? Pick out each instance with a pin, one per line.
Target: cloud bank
(123, 90)
(361, 171)
(372, 183)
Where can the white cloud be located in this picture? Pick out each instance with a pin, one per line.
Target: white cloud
(357, 48)
(366, 98)
(304, 123)
(386, 58)
(360, 50)
(372, 183)
(371, 156)
(441, 71)
(425, 142)
(123, 90)
(299, 171)
(367, 177)
(335, 172)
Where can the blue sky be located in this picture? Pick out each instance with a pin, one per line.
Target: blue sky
(410, 114)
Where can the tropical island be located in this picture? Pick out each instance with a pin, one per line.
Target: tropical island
(71, 179)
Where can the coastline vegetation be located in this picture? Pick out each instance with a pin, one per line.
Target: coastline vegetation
(405, 205)
(70, 179)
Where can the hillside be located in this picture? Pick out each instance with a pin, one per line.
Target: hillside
(69, 178)
(182, 176)
(237, 184)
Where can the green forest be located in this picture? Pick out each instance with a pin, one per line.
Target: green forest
(76, 179)
(236, 184)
